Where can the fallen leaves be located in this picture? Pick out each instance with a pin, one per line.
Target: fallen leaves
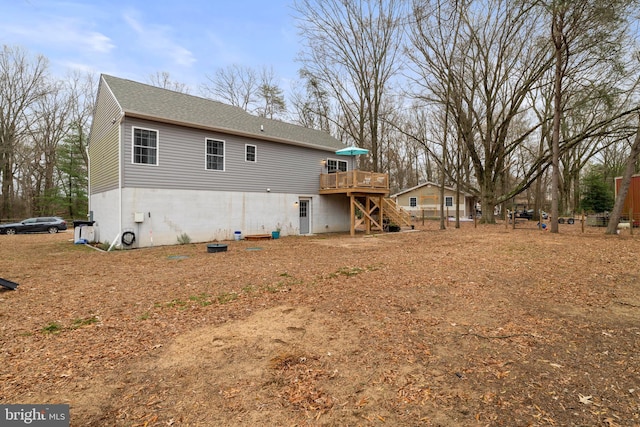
(444, 327)
(586, 400)
(302, 380)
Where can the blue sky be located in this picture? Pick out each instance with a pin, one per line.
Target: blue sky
(134, 39)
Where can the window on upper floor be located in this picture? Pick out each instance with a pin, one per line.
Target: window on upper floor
(215, 154)
(145, 146)
(413, 202)
(334, 165)
(250, 153)
(448, 201)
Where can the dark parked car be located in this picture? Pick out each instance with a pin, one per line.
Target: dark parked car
(524, 214)
(49, 224)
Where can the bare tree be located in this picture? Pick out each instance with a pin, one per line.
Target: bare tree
(23, 83)
(235, 85)
(312, 105)
(352, 50)
(482, 78)
(591, 31)
(163, 79)
(47, 128)
(244, 87)
(271, 103)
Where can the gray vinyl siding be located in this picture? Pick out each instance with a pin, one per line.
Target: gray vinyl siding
(103, 142)
(282, 168)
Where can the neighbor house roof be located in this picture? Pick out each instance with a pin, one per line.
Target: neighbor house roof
(408, 190)
(154, 103)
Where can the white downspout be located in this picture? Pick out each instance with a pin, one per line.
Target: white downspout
(86, 150)
(120, 169)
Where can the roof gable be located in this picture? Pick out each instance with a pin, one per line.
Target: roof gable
(154, 103)
(408, 190)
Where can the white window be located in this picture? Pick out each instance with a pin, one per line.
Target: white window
(334, 165)
(448, 201)
(145, 146)
(413, 202)
(250, 153)
(215, 155)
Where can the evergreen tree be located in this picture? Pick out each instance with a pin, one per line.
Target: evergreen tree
(72, 172)
(597, 196)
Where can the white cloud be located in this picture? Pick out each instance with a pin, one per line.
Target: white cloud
(157, 39)
(61, 34)
(97, 42)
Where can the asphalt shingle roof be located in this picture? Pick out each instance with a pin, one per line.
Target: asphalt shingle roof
(142, 100)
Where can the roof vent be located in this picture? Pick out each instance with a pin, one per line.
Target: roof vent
(261, 128)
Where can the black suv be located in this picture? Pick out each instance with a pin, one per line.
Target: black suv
(48, 224)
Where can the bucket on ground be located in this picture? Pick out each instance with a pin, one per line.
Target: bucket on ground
(237, 235)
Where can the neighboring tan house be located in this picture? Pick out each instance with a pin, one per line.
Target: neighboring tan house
(163, 164)
(424, 201)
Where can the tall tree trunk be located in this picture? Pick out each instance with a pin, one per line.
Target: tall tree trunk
(458, 174)
(488, 201)
(6, 174)
(558, 41)
(624, 186)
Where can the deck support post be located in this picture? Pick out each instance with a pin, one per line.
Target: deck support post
(353, 214)
(380, 208)
(367, 219)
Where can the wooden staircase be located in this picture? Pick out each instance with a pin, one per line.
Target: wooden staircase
(370, 209)
(395, 214)
(378, 214)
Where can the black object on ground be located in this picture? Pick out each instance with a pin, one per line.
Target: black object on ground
(216, 247)
(8, 284)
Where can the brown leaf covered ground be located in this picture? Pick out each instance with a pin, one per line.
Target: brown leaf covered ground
(482, 326)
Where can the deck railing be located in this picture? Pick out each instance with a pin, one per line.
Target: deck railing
(353, 180)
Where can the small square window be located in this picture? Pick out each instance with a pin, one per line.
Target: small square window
(448, 201)
(145, 146)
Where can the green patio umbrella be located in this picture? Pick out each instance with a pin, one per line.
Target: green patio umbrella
(352, 151)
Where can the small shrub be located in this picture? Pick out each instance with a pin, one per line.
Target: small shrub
(353, 271)
(78, 323)
(174, 303)
(226, 297)
(177, 303)
(184, 239)
(52, 328)
(202, 299)
(104, 246)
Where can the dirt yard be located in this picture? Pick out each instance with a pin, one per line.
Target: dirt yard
(482, 326)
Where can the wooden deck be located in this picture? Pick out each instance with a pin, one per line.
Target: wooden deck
(355, 181)
(367, 192)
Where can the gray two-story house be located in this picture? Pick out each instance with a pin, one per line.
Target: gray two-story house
(163, 164)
